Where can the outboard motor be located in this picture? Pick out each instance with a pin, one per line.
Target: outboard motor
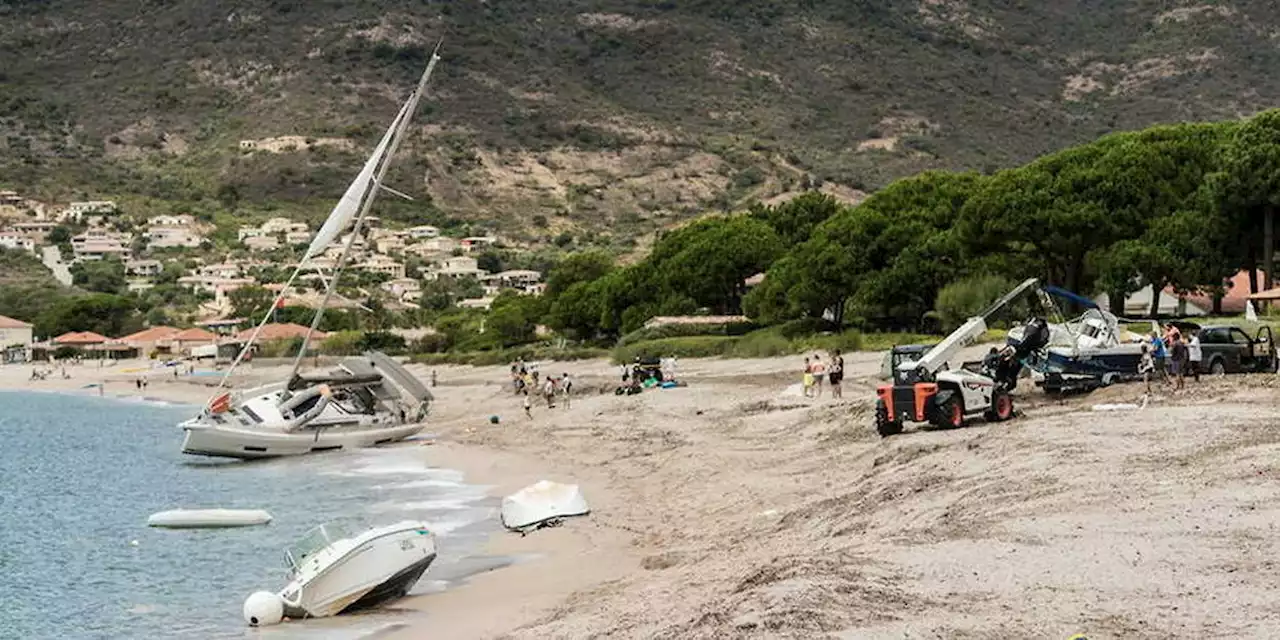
(1035, 336)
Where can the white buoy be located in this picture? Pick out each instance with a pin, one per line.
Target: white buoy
(263, 608)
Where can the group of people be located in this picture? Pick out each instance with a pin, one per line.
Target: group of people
(818, 371)
(1171, 357)
(527, 382)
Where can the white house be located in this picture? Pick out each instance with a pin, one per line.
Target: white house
(523, 280)
(181, 220)
(404, 289)
(220, 270)
(389, 244)
(458, 267)
(16, 240)
(476, 243)
(383, 264)
(78, 210)
(168, 237)
(261, 243)
(282, 225)
(422, 232)
(96, 244)
(143, 268)
(15, 340)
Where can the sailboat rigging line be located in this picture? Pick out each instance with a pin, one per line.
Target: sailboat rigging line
(370, 194)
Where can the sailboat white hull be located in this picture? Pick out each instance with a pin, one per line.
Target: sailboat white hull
(246, 443)
(380, 565)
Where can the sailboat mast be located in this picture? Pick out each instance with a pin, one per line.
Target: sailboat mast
(370, 194)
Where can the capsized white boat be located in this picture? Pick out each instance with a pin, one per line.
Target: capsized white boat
(541, 503)
(208, 518)
(367, 401)
(332, 572)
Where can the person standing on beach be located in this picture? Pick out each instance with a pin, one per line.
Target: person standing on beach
(566, 386)
(528, 404)
(549, 392)
(1160, 354)
(1178, 360)
(807, 378)
(819, 373)
(836, 375)
(1194, 355)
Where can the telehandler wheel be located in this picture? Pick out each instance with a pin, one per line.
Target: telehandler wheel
(1001, 407)
(950, 414)
(884, 426)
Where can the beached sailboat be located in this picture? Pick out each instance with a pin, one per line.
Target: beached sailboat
(365, 401)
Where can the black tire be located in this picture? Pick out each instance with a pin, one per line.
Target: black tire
(950, 413)
(1217, 367)
(1001, 407)
(884, 426)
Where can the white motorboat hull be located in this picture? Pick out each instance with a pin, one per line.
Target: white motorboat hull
(252, 442)
(378, 568)
(208, 518)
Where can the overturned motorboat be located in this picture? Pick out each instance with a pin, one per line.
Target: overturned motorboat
(332, 572)
(542, 504)
(367, 400)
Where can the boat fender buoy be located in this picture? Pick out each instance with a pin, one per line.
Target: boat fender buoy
(263, 608)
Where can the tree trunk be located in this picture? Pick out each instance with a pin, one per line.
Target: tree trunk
(1217, 304)
(1156, 289)
(1268, 247)
(1253, 273)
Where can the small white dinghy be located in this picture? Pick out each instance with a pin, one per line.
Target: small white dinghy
(208, 518)
(542, 504)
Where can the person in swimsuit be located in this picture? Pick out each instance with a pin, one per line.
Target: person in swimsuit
(836, 375)
(819, 373)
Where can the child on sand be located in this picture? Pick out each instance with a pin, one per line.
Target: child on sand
(807, 379)
(566, 386)
(528, 405)
(819, 373)
(1147, 365)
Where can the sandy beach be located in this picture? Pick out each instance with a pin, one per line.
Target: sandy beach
(734, 507)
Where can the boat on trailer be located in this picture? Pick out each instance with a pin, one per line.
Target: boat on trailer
(1082, 353)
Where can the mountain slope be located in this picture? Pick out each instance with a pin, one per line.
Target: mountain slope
(607, 115)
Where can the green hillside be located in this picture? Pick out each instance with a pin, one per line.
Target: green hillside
(612, 116)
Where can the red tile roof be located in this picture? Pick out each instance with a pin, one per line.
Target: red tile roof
(10, 323)
(194, 335)
(280, 331)
(80, 337)
(153, 334)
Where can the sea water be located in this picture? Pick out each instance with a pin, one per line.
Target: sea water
(80, 475)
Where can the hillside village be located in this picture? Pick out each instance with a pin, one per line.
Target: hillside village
(389, 265)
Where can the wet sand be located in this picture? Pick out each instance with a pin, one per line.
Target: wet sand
(736, 508)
